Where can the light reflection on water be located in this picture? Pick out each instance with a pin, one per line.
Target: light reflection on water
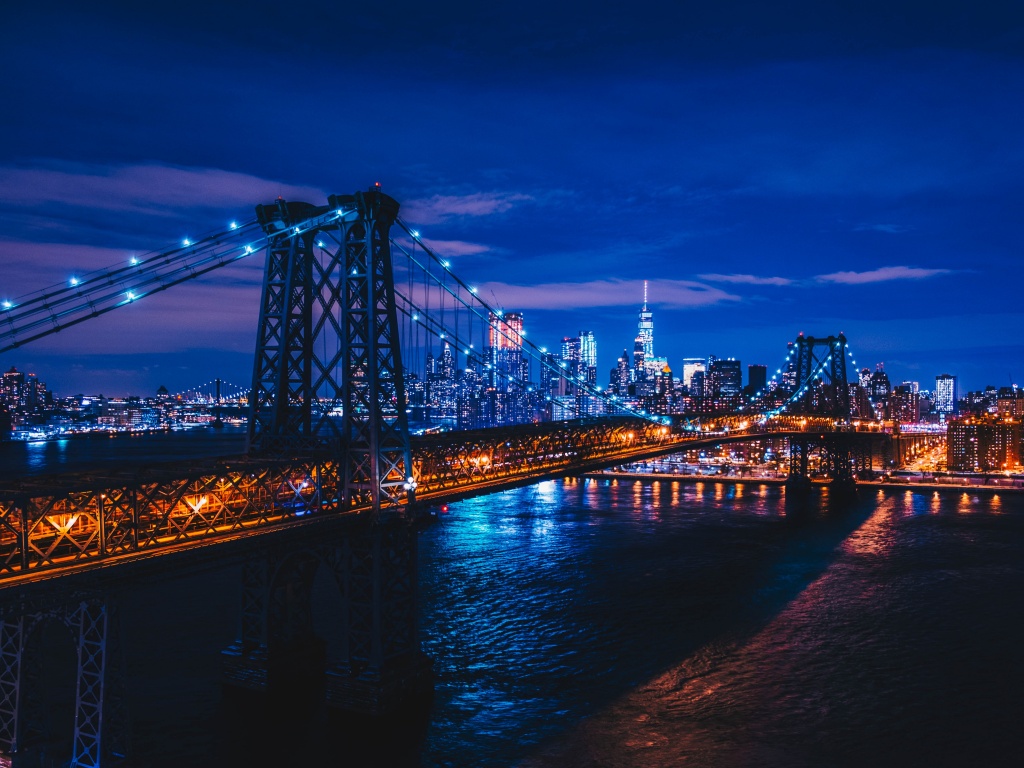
(897, 648)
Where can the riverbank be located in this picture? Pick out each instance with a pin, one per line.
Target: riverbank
(730, 480)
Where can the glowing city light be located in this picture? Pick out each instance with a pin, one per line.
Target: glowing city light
(186, 242)
(233, 225)
(130, 295)
(7, 305)
(74, 281)
(133, 261)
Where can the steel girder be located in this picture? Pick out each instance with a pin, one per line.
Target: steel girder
(75, 520)
(836, 452)
(279, 406)
(12, 632)
(99, 737)
(822, 388)
(327, 378)
(76, 525)
(376, 454)
(490, 456)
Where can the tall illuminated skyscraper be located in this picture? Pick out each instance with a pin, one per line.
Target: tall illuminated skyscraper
(506, 331)
(645, 327)
(588, 349)
(945, 394)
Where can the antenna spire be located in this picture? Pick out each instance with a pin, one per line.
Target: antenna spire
(645, 294)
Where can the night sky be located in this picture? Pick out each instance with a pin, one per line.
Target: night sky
(771, 168)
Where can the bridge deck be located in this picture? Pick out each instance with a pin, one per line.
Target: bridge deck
(53, 525)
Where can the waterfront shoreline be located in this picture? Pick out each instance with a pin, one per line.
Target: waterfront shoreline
(726, 480)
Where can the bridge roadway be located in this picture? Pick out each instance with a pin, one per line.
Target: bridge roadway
(58, 525)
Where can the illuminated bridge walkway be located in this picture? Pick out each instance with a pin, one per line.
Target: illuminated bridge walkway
(351, 321)
(57, 525)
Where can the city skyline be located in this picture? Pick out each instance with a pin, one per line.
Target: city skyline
(818, 170)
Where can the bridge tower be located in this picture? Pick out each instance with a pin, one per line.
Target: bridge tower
(328, 382)
(823, 392)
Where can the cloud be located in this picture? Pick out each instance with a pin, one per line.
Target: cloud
(746, 279)
(148, 188)
(889, 229)
(449, 247)
(605, 293)
(199, 314)
(439, 208)
(882, 274)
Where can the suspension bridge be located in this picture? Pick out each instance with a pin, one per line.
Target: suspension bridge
(351, 317)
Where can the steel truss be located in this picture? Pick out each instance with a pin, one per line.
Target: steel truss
(327, 378)
(822, 392)
(822, 388)
(498, 456)
(100, 730)
(85, 518)
(837, 457)
(90, 518)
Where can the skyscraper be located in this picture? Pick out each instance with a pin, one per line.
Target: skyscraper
(620, 376)
(945, 394)
(692, 365)
(879, 388)
(506, 331)
(638, 358)
(572, 351)
(588, 348)
(757, 378)
(645, 327)
(864, 377)
(726, 377)
(588, 356)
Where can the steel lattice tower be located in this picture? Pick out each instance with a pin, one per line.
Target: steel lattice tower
(327, 377)
(822, 388)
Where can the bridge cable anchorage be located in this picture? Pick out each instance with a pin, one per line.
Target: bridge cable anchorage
(484, 312)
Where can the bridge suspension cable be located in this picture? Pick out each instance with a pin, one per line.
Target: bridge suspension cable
(451, 285)
(100, 291)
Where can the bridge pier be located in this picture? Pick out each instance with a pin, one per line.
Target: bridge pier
(837, 459)
(799, 479)
(381, 667)
(100, 718)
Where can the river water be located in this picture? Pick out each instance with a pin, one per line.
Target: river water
(644, 623)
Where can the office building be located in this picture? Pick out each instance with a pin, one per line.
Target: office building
(945, 397)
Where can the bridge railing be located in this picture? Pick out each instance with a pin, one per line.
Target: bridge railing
(93, 519)
(76, 520)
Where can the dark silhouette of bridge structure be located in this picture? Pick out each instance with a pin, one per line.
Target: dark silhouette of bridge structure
(333, 477)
